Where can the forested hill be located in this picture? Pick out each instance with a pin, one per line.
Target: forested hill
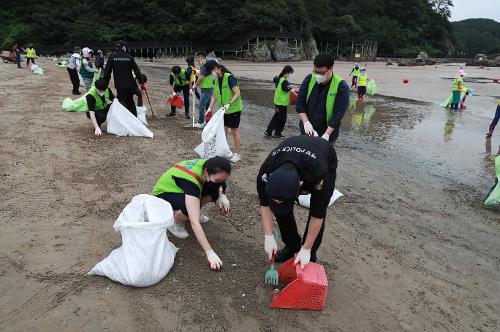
(478, 35)
(401, 26)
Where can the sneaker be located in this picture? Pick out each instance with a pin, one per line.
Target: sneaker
(170, 114)
(236, 157)
(204, 219)
(276, 135)
(199, 125)
(267, 135)
(178, 231)
(489, 134)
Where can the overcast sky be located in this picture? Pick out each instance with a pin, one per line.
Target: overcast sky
(463, 9)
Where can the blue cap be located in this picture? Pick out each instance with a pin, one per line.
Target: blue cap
(282, 188)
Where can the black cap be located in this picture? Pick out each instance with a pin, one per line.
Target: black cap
(210, 65)
(282, 188)
(121, 43)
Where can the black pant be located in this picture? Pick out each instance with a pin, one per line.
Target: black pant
(278, 121)
(126, 98)
(73, 76)
(185, 92)
(28, 61)
(100, 116)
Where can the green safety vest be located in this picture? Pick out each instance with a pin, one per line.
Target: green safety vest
(182, 80)
(456, 82)
(99, 105)
(355, 72)
(84, 72)
(362, 80)
(332, 94)
(227, 94)
(30, 53)
(191, 170)
(281, 97)
(207, 82)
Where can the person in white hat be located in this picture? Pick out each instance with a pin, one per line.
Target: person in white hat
(86, 69)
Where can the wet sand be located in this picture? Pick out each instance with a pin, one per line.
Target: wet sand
(409, 248)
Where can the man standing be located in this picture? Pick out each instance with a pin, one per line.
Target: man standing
(322, 100)
(30, 55)
(122, 65)
(355, 75)
(206, 83)
(299, 165)
(456, 89)
(180, 81)
(99, 60)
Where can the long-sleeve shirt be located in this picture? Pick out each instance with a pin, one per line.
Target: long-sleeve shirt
(315, 107)
(91, 100)
(187, 76)
(121, 64)
(74, 61)
(285, 86)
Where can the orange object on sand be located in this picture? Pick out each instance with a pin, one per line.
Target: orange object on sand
(176, 101)
(405, 81)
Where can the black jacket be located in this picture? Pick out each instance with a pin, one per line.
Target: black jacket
(122, 64)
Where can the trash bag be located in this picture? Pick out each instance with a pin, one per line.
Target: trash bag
(141, 114)
(447, 102)
(146, 255)
(293, 97)
(305, 200)
(121, 122)
(82, 82)
(371, 88)
(214, 142)
(494, 194)
(35, 69)
(77, 105)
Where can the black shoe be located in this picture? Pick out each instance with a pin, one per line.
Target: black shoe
(187, 116)
(76, 93)
(267, 135)
(285, 254)
(276, 135)
(489, 134)
(170, 114)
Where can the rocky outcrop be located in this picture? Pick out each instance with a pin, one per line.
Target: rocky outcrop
(482, 60)
(281, 50)
(421, 60)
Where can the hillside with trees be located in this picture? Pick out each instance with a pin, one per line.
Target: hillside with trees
(478, 35)
(400, 26)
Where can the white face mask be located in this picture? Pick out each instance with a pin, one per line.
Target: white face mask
(321, 78)
(214, 75)
(100, 93)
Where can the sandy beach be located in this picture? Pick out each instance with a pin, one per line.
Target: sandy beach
(409, 248)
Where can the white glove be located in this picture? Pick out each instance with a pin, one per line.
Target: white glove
(194, 86)
(326, 137)
(270, 245)
(223, 203)
(191, 91)
(308, 128)
(174, 94)
(214, 261)
(226, 107)
(304, 256)
(98, 132)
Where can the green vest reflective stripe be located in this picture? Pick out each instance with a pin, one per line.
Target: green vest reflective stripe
(332, 94)
(84, 72)
(456, 81)
(166, 183)
(355, 72)
(362, 80)
(30, 53)
(227, 94)
(207, 82)
(98, 99)
(281, 98)
(180, 81)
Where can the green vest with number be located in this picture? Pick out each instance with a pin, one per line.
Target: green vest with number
(355, 72)
(332, 94)
(207, 82)
(30, 53)
(362, 80)
(281, 98)
(227, 94)
(99, 105)
(166, 183)
(181, 80)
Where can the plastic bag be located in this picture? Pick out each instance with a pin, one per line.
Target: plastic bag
(82, 82)
(77, 105)
(214, 142)
(121, 122)
(447, 102)
(494, 194)
(35, 69)
(371, 88)
(141, 114)
(145, 256)
(305, 200)
(293, 97)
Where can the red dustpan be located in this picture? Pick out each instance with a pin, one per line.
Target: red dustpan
(175, 101)
(307, 287)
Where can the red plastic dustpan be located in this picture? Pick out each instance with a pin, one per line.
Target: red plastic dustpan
(307, 287)
(176, 101)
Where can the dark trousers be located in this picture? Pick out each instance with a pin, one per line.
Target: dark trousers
(278, 121)
(73, 76)
(100, 116)
(126, 98)
(185, 92)
(18, 62)
(28, 61)
(495, 119)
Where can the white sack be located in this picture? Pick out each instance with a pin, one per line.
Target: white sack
(214, 142)
(305, 200)
(121, 122)
(141, 114)
(145, 256)
(82, 82)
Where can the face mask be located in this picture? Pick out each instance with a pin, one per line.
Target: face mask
(100, 93)
(214, 75)
(321, 78)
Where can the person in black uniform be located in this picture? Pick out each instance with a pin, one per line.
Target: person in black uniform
(299, 165)
(122, 64)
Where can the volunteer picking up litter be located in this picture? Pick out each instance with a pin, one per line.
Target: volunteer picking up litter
(322, 100)
(299, 165)
(456, 89)
(187, 187)
(180, 81)
(99, 100)
(227, 95)
(281, 101)
(355, 75)
(362, 84)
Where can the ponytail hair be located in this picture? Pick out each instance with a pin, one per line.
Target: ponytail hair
(217, 165)
(286, 70)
